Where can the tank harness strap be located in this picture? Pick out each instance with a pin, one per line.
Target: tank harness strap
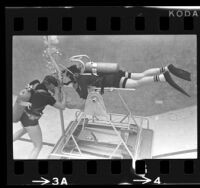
(124, 83)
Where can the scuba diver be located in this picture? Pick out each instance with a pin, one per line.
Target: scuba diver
(30, 111)
(124, 79)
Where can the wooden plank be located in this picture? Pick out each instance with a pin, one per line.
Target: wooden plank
(132, 140)
(99, 151)
(133, 127)
(96, 144)
(97, 155)
(145, 147)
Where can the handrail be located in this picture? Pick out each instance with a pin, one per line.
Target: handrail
(112, 89)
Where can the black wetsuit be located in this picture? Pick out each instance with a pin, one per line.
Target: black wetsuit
(38, 100)
(109, 80)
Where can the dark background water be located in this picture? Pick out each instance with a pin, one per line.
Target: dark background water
(133, 53)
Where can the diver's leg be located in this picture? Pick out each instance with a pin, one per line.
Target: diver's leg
(183, 74)
(19, 134)
(35, 135)
(130, 83)
(165, 77)
(148, 72)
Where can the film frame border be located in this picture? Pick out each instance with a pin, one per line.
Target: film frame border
(115, 20)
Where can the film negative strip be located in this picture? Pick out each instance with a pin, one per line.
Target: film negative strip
(113, 132)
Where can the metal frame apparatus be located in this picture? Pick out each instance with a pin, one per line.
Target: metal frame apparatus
(74, 144)
(116, 129)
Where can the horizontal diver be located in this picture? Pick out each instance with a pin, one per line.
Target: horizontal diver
(123, 79)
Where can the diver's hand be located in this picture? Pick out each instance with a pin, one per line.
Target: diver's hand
(27, 104)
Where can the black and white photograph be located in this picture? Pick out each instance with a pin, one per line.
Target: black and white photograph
(104, 97)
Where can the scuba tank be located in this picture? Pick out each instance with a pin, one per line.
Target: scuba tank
(101, 68)
(23, 96)
(94, 67)
(18, 109)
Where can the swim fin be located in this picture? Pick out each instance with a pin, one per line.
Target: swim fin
(179, 72)
(173, 84)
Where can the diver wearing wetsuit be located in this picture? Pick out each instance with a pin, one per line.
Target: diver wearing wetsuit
(123, 79)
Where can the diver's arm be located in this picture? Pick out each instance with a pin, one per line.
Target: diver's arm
(79, 105)
(60, 104)
(23, 103)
